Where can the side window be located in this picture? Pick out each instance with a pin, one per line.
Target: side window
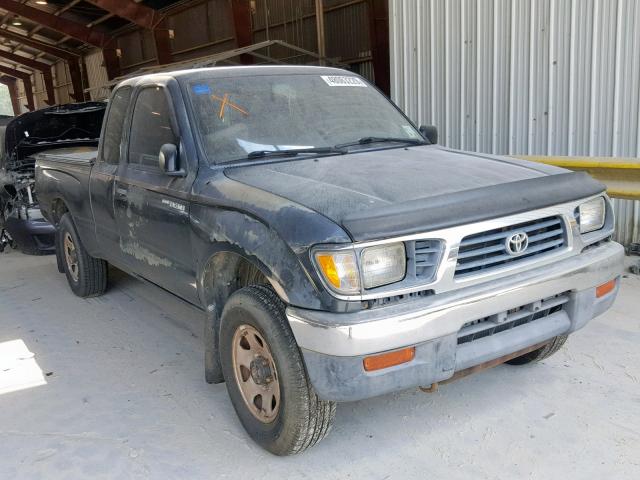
(115, 121)
(150, 127)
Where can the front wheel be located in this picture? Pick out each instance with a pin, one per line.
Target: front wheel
(541, 353)
(265, 374)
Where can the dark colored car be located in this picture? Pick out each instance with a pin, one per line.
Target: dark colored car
(22, 137)
(335, 250)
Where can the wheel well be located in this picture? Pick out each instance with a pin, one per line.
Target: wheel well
(58, 209)
(227, 272)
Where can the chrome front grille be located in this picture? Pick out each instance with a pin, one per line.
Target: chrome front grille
(488, 250)
(513, 318)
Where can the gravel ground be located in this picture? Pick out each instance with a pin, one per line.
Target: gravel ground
(117, 391)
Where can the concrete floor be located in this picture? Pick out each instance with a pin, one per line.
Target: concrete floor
(115, 390)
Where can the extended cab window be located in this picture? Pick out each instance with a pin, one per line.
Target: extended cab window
(115, 122)
(150, 127)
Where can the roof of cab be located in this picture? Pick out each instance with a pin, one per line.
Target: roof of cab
(239, 71)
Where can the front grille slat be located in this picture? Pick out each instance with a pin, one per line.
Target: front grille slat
(481, 238)
(487, 250)
(501, 258)
(426, 256)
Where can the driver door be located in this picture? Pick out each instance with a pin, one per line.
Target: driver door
(152, 208)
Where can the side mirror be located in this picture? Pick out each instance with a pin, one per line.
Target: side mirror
(168, 160)
(430, 132)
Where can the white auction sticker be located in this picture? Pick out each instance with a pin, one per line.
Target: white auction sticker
(343, 81)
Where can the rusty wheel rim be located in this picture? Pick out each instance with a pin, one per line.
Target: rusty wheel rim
(71, 256)
(256, 374)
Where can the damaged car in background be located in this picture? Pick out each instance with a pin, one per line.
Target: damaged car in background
(74, 125)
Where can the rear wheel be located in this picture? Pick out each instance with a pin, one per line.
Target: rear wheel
(87, 276)
(541, 353)
(265, 375)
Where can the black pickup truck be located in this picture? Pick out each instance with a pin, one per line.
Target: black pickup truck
(337, 252)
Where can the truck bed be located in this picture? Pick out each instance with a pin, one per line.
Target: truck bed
(66, 175)
(72, 155)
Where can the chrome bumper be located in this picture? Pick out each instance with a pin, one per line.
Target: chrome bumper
(414, 322)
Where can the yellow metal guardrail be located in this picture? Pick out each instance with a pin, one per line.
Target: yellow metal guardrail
(620, 175)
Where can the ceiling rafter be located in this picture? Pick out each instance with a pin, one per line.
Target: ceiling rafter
(144, 17)
(45, 68)
(26, 80)
(69, 28)
(72, 58)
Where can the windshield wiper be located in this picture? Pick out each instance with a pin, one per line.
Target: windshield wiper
(292, 152)
(367, 140)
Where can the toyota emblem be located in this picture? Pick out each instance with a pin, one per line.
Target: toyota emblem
(517, 243)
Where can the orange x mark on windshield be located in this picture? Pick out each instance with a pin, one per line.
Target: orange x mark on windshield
(224, 102)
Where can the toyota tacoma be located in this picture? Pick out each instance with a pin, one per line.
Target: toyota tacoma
(337, 252)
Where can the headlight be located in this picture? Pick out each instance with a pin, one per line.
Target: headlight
(340, 270)
(383, 265)
(591, 215)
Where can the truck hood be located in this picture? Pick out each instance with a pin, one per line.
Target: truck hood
(376, 194)
(59, 126)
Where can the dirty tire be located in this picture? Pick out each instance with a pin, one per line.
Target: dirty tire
(91, 272)
(541, 353)
(303, 419)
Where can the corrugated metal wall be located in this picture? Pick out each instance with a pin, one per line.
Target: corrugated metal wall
(96, 75)
(547, 77)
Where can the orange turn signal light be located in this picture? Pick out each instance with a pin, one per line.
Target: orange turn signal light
(605, 288)
(390, 359)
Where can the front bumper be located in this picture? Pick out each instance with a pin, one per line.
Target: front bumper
(32, 236)
(334, 344)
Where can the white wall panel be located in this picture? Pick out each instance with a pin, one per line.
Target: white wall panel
(546, 77)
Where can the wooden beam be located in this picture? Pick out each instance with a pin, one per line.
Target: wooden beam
(26, 80)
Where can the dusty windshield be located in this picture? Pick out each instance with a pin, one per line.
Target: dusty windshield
(240, 115)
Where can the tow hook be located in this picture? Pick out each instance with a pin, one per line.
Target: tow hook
(433, 388)
(483, 366)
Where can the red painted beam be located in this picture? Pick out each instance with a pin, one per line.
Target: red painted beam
(42, 46)
(57, 23)
(163, 43)
(379, 37)
(144, 17)
(137, 13)
(71, 58)
(34, 64)
(10, 82)
(68, 27)
(26, 80)
(76, 80)
(241, 12)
